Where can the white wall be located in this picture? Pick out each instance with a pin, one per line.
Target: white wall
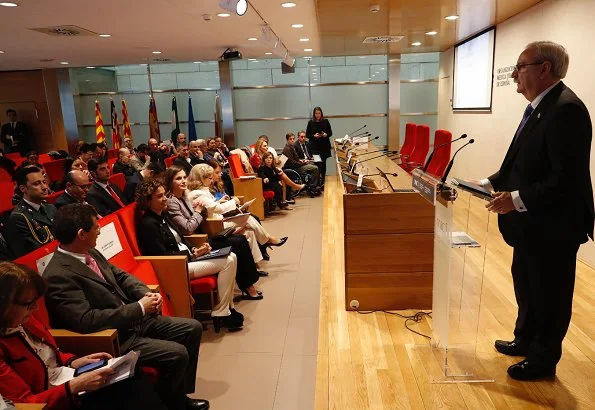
(568, 22)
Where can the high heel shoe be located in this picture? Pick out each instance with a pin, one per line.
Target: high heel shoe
(247, 296)
(232, 323)
(281, 242)
(236, 313)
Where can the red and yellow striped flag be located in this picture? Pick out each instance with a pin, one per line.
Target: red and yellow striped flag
(125, 121)
(116, 138)
(153, 121)
(99, 131)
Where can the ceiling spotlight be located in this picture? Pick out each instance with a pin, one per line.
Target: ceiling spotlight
(235, 6)
(90, 66)
(252, 39)
(303, 40)
(105, 35)
(288, 5)
(251, 59)
(415, 44)
(64, 62)
(223, 14)
(143, 64)
(1, 52)
(451, 18)
(268, 53)
(307, 49)
(297, 25)
(156, 52)
(8, 4)
(196, 62)
(431, 33)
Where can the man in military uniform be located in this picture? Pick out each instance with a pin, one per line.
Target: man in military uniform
(32, 218)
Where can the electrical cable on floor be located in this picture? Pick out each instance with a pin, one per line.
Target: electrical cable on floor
(417, 317)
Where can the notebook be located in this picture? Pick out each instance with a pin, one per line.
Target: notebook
(217, 253)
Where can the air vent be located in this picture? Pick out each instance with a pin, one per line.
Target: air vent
(382, 39)
(46, 60)
(65, 31)
(161, 59)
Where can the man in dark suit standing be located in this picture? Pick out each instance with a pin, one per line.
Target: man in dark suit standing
(14, 134)
(87, 294)
(77, 186)
(544, 201)
(32, 219)
(105, 197)
(183, 160)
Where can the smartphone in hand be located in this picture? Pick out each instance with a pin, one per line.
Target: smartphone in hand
(90, 367)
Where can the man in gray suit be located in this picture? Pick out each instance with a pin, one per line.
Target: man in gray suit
(87, 294)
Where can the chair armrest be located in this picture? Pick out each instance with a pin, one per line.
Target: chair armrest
(84, 344)
(211, 226)
(251, 188)
(172, 272)
(241, 199)
(153, 288)
(196, 239)
(29, 406)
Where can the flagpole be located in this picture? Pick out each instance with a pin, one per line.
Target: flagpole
(150, 81)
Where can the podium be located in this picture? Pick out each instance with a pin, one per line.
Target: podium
(461, 226)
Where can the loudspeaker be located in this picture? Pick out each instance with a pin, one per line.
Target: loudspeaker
(287, 69)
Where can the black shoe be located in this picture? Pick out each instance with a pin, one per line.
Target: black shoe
(262, 273)
(248, 296)
(236, 313)
(514, 348)
(197, 404)
(264, 253)
(526, 370)
(281, 242)
(231, 322)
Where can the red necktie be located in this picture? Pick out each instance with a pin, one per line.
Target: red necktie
(91, 263)
(114, 195)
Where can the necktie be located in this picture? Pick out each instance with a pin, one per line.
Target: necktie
(526, 116)
(305, 151)
(92, 264)
(114, 195)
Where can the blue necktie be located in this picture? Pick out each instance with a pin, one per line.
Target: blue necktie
(526, 116)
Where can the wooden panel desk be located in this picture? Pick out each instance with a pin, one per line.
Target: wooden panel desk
(388, 241)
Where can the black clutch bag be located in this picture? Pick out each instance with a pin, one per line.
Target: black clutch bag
(224, 234)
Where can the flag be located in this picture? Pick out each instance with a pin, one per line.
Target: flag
(116, 138)
(126, 122)
(191, 126)
(153, 121)
(99, 131)
(175, 123)
(216, 115)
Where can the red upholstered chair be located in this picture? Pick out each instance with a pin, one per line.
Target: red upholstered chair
(112, 153)
(119, 180)
(54, 170)
(52, 197)
(420, 151)
(170, 160)
(248, 186)
(4, 176)
(441, 155)
(44, 159)
(6, 193)
(15, 156)
(111, 162)
(409, 144)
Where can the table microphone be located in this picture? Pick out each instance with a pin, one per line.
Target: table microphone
(386, 154)
(369, 140)
(353, 132)
(471, 141)
(440, 146)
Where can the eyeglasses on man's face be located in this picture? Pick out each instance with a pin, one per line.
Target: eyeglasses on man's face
(519, 66)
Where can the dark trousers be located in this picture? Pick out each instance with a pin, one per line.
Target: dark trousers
(276, 188)
(322, 165)
(543, 275)
(247, 273)
(227, 182)
(169, 344)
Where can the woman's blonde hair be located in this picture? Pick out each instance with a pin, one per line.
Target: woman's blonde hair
(197, 175)
(259, 144)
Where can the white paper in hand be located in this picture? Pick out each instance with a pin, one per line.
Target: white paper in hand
(316, 158)
(282, 160)
(246, 205)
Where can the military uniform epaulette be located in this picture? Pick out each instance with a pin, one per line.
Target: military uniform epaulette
(40, 232)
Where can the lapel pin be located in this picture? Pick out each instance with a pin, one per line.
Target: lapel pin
(538, 115)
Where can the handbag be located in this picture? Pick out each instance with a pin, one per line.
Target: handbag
(224, 234)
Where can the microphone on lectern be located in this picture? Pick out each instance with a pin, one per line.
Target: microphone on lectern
(440, 146)
(471, 141)
(369, 140)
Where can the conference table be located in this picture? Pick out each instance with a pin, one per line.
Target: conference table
(388, 236)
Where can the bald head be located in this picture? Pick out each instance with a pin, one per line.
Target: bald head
(124, 155)
(77, 185)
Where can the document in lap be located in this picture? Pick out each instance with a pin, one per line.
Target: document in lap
(240, 220)
(317, 158)
(246, 205)
(282, 159)
(217, 253)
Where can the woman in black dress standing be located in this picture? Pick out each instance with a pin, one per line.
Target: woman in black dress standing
(319, 132)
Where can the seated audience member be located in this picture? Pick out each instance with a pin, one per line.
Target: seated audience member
(32, 218)
(158, 152)
(87, 151)
(204, 149)
(87, 294)
(212, 149)
(32, 378)
(187, 220)
(245, 155)
(32, 158)
(7, 163)
(303, 166)
(262, 148)
(100, 151)
(302, 147)
(270, 149)
(179, 141)
(141, 157)
(152, 170)
(183, 159)
(158, 236)
(195, 154)
(105, 197)
(221, 147)
(70, 165)
(270, 179)
(128, 144)
(122, 165)
(75, 192)
(6, 253)
(200, 183)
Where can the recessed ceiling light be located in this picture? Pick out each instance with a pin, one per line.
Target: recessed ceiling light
(87, 81)
(251, 59)
(223, 14)
(143, 64)
(8, 4)
(297, 25)
(452, 18)
(1, 52)
(196, 62)
(252, 39)
(303, 40)
(415, 44)
(307, 49)
(432, 33)
(89, 66)
(105, 35)
(64, 62)
(268, 53)
(288, 5)
(382, 68)
(156, 52)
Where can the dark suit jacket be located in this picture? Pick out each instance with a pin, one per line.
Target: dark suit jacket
(300, 151)
(121, 168)
(320, 146)
(196, 160)
(19, 135)
(65, 199)
(549, 165)
(293, 160)
(102, 201)
(79, 300)
(130, 187)
(32, 228)
(155, 238)
(181, 162)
